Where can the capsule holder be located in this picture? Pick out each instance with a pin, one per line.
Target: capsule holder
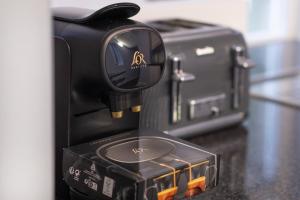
(140, 165)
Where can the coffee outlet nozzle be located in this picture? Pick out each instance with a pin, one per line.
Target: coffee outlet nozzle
(113, 58)
(122, 101)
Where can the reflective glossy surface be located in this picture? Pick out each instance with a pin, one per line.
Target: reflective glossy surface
(140, 164)
(260, 160)
(135, 59)
(285, 91)
(138, 150)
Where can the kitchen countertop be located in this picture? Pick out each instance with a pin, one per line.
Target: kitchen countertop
(260, 159)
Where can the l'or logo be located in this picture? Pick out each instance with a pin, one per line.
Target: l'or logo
(139, 150)
(138, 59)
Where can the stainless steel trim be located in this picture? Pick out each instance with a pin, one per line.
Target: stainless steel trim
(178, 77)
(241, 62)
(194, 102)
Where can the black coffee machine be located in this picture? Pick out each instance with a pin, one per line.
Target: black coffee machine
(103, 61)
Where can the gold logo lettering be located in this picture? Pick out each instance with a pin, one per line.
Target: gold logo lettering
(138, 150)
(138, 59)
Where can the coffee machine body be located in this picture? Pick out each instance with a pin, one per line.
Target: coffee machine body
(103, 61)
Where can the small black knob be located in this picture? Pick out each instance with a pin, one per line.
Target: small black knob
(215, 111)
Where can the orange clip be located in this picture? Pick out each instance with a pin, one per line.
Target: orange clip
(167, 194)
(196, 186)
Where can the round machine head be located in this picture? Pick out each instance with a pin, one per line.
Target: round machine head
(133, 58)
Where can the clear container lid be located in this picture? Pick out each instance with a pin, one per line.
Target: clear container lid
(162, 165)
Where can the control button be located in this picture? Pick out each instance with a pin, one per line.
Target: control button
(215, 111)
(207, 107)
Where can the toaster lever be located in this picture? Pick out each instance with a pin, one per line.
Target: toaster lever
(182, 77)
(241, 63)
(178, 77)
(241, 59)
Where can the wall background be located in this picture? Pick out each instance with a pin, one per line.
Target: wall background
(273, 20)
(26, 102)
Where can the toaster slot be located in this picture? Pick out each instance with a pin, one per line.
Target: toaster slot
(184, 24)
(177, 24)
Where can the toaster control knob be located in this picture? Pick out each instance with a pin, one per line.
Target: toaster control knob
(241, 59)
(215, 111)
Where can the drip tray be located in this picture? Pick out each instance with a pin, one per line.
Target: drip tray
(285, 91)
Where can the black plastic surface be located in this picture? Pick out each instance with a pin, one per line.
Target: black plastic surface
(135, 59)
(82, 15)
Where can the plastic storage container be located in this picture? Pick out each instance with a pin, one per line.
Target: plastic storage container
(139, 165)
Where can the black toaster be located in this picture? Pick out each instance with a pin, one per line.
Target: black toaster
(206, 81)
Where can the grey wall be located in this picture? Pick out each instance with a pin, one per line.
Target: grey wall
(26, 124)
